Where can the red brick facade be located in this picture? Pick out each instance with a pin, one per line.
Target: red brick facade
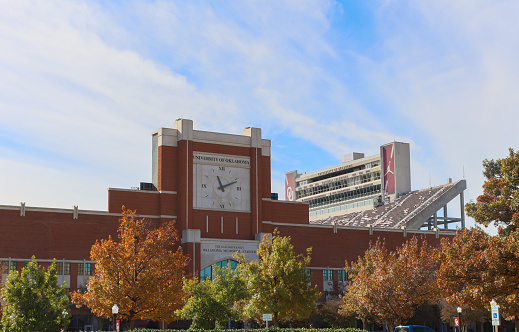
(68, 235)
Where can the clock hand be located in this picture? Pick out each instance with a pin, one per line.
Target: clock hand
(228, 184)
(222, 186)
(220, 182)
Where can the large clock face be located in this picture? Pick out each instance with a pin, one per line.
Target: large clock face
(221, 187)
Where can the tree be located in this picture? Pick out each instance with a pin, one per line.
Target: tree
(33, 300)
(211, 303)
(499, 203)
(390, 286)
(495, 257)
(463, 275)
(331, 313)
(477, 268)
(428, 314)
(468, 315)
(357, 300)
(278, 282)
(141, 273)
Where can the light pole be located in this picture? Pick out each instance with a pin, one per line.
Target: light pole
(64, 313)
(115, 311)
(459, 316)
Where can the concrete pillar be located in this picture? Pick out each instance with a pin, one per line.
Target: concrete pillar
(462, 210)
(445, 223)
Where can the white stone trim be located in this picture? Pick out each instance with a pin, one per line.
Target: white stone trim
(220, 138)
(166, 136)
(168, 192)
(255, 136)
(166, 217)
(393, 230)
(265, 147)
(80, 212)
(226, 210)
(282, 201)
(191, 236)
(184, 128)
(135, 190)
(75, 261)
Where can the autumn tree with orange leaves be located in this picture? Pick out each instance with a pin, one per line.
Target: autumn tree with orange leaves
(388, 286)
(499, 203)
(141, 273)
(477, 268)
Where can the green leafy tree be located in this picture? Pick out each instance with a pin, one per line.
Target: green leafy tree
(33, 300)
(389, 286)
(278, 282)
(211, 303)
(499, 203)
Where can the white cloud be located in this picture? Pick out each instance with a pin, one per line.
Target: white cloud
(82, 84)
(68, 96)
(451, 68)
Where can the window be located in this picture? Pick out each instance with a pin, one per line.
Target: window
(84, 269)
(62, 269)
(342, 275)
(327, 275)
(5, 268)
(207, 273)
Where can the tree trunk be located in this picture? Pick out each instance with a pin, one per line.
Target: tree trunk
(365, 324)
(275, 319)
(516, 323)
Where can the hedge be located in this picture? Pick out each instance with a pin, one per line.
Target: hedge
(350, 329)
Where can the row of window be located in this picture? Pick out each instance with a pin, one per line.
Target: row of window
(343, 207)
(339, 173)
(7, 267)
(207, 273)
(61, 268)
(341, 275)
(339, 184)
(346, 196)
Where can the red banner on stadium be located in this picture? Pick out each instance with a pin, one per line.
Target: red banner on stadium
(290, 186)
(388, 168)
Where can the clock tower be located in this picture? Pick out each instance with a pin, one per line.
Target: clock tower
(216, 186)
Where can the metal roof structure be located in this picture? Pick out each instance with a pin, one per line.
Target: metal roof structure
(415, 210)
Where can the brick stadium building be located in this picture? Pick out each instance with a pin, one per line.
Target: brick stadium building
(218, 188)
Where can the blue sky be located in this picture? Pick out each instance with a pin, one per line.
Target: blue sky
(84, 83)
